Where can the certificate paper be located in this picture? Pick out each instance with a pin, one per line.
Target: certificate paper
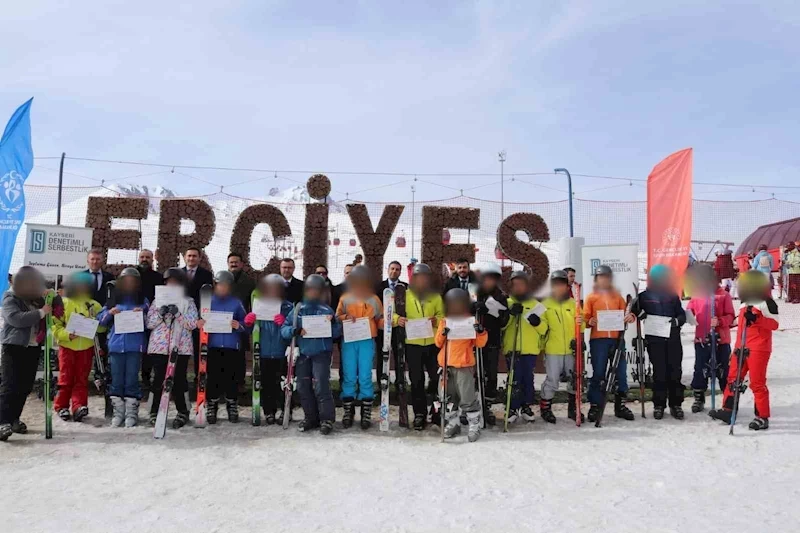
(610, 320)
(357, 331)
(218, 322)
(539, 310)
(494, 307)
(267, 308)
(460, 328)
(129, 322)
(419, 328)
(170, 295)
(82, 326)
(317, 327)
(658, 326)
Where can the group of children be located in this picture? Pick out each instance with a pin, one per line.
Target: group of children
(516, 325)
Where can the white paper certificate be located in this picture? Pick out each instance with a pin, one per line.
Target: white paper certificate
(170, 295)
(357, 331)
(460, 328)
(494, 307)
(218, 322)
(610, 320)
(81, 326)
(317, 327)
(419, 328)
(129, 322)
(267, 308)
(539, 310)
(658, 326)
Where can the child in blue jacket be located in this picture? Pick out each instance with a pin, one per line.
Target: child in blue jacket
(313, 366)
(272, 345)
(125, 349)
(225, 364)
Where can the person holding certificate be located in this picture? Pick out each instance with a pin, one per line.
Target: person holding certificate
(424, 310)
(124, 314)
(660, 308)
(361, 314)
(270, 309)
(604, 314)
(75, 351)
(225, 325)
(316, 329)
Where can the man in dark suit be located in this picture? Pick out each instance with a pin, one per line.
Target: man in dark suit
(294, 287)
(462, 278)
(150, 278)
(196, 277)
(94, 261)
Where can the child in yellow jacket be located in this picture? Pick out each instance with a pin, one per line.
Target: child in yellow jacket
(75, 354)
(458, 378)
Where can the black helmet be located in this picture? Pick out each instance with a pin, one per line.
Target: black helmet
(223, 276)
(175, 273)
(457, 296)
(423, 269)
(559, 275)
(315, 281)
(518, 274)
(603, 270)
(130, 271)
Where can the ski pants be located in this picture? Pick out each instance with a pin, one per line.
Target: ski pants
(125, 374)
(158, 363)
(522, 392)
(314, 386)
(557, 366)
(666, 356)
(756, 364)
(421, 359)
(147, 371)
(602, 351)
(702, 365)
(272, 371)
(73, 378)
(461, 389)
(357, 369)
(224, 373)
(491, 354)
(18, 366)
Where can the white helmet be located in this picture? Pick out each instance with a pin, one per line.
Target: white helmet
(491, 269)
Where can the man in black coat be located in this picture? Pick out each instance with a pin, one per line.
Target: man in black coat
(243, 287)
(196, 277)
(494, 320)
(462, 277)
(294, 287)
(150, 278)
(94, 261)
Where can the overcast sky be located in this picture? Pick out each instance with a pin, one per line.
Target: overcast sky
(601, 87)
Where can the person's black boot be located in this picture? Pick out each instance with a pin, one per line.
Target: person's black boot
(546, 410)
(699, 404)
(620, 409)
(349, 412)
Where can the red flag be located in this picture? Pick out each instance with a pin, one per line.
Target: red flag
(669, 212)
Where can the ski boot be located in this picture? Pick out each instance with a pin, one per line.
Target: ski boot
(527, 413)
(723, 415)
(546, 410)
(232, 406)
(349, 412)
(759, 423)
(594, 412)
(211, 411)
(118, 415)
(181, 419)
(436, 417)
(658, 412)
(463, 419)
(80, 414)
(366, 414)
(152, 419)
(269, 419)
(5, 432)
(419, 422)
(572, 409)
(453, 426)
(513, 415)
(620, 409)
(676, 411)
(18, 426)
(326, 427)
(306, 425)
(64, 414)
(699, 404)
(131, 412)
(489, 417)
(474, 420)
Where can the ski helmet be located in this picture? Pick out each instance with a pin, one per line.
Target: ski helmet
(559, 275)
(28, 282)
(659, 272)
(223, 276)
(359, 273)
(274, 279)
(81, 278)
(316, 282)
(491, 269)
(752, 285)
(458, 296)
(518, 274)
(422, 269)
(130, 271)
(603, 270)
(175, 273)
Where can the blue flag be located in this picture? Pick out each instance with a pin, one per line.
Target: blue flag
(16, 162)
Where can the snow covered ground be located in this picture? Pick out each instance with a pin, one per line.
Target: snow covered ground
(646, 475)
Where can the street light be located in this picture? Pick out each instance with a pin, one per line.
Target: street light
(501, 156)
(569, 187)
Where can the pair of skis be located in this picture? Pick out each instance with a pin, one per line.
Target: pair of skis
(579, 361)
(160, 430)
(289, 381)
(256, 379)
(741, 358)
(479, 363)
(48, 370)
(393, 302)
(206, 291)
(511, 384)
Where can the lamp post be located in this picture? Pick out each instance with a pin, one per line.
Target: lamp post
(413, 216)
(501, 156)
(569, 187)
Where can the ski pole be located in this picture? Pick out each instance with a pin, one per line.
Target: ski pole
(510, 371)
(443, 407)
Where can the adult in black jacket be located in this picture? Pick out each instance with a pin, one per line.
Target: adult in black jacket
(493, 320)
(294, 287)
(243, 284)
(196, 277)
(94, 261)
(666, 353)
(150, 278)
(462, 278)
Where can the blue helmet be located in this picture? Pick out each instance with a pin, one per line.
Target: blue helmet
(659, 273)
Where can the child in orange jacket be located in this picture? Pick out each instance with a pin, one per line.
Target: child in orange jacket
(460, 360)
(359, 302)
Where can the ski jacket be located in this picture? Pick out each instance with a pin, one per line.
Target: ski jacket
(21, 320)
(723, 311)
(312, 347)
(432, 307)
(759, 333)
(163, 337)
(82, 305)
(371, 308)
(125, 342)
(461, 352)
(560, 320)
(532, 336)
(793, 262)
(494, 324)
(609, 300)
(762, 262)
(271, 342)
(661, 303)
(232, 340)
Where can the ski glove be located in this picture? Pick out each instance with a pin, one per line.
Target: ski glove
(279, 320)
(173, 310)
(445, 332)
(250, 319)
(163, 311)
(479, 308)
(516, 309)
(749, 316)
(479, 328)
(642, 315)
(534, 320)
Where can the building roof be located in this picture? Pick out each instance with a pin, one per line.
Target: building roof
(773, 235)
